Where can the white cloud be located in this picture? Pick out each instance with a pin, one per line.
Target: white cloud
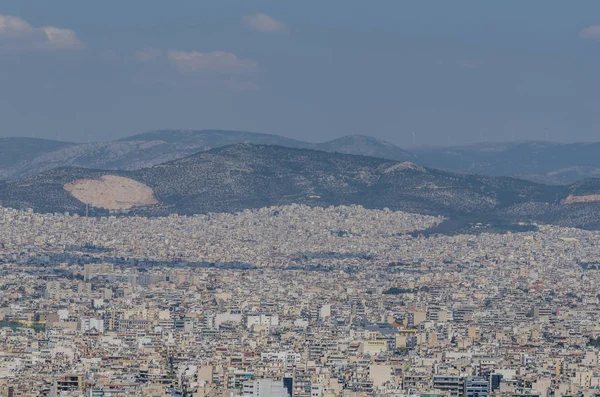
(591, 32)
(14, 27)
(264, 23)
(17, 34)
(64, 39)
(148, 54)
(215, 63)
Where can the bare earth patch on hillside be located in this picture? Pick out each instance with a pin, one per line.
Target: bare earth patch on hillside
(582, 199)
(111, 192)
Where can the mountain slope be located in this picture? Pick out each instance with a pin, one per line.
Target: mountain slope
(543, 162)
(365, 146)
(14, 150)
(243, 176)
(208, 139)
(158, 147)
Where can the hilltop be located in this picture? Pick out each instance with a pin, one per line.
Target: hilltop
(542, 162)
(157, 147)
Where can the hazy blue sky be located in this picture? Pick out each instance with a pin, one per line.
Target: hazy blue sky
(452, 71)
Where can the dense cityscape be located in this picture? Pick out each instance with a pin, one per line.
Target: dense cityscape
(269, 198)
(294, 301)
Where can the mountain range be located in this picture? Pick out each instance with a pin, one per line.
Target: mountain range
(241, 176)
(543, 162)
(157, 147)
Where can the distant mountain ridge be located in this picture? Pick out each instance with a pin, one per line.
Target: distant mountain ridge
(542, 162)
(237, 177)
(157, 147)
(16, 150)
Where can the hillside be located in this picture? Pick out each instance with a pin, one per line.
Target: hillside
(16, 150)
(365, 146)
(243, 176)
(208, 139)
(544, 162)
(157, 147)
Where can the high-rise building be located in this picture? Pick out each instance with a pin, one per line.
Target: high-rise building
(449, 383)
(476, 386)
(495, 380)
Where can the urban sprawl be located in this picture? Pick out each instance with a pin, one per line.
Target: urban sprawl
(294, 301)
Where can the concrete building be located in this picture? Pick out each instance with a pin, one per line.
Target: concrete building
(264, 388)
(476, 386)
